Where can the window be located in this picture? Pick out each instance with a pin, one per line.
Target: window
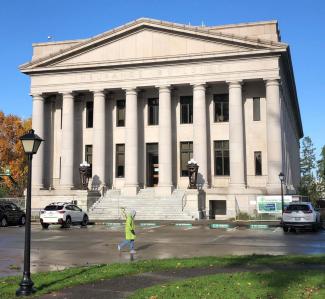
(89, 156)
(186, 149)
(221, 157)
(120, 113)
(258, 163)
(120, 160)
(186, 110)
(153, 111)
(221, 107)
(89, 114)
(256, 109)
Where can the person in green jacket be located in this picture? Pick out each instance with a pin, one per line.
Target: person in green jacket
(129, 232)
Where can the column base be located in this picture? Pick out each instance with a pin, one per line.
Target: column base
(164, 190)
(130, 190)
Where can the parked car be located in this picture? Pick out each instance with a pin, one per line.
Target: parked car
(300, 215)
(63, 213)
(10, 214)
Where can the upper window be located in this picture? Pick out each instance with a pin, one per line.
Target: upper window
(89, 114)
(256, 109)
(186, 110)
(120, 113)
(258, 163)
(186, 150)
(221, 157)
(153, 111)
(221, 107)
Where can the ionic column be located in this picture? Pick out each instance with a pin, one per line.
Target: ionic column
(98, 170)
(274, 139)
(236, 135)
(165, 141)
(67, 143)
(38, 126)
(200, 146)
(131, 143)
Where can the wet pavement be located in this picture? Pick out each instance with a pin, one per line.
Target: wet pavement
(57, 248)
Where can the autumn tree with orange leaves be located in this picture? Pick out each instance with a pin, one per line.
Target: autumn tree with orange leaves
(12, 154)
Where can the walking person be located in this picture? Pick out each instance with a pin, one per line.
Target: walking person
(129, 232)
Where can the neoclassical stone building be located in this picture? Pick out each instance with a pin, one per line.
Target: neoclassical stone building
(138, 101)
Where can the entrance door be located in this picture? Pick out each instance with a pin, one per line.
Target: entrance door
(152, 165)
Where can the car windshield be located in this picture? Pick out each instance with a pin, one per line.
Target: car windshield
(298, 208)
(53, 208)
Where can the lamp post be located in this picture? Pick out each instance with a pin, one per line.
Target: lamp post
(31, 143)
(281, 177)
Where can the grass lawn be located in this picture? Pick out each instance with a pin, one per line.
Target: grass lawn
(51, 281)
(281, 285)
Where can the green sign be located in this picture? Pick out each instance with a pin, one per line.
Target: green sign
(271, 204)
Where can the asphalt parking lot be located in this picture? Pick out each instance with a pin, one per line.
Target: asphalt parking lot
(56, 248)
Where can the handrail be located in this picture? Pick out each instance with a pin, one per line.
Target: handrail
(183, 201)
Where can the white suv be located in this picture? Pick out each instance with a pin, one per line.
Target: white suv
(300, 215)
(63, 213)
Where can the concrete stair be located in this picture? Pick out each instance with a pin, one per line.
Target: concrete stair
(147, 205)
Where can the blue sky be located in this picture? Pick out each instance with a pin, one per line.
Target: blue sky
(302, 26)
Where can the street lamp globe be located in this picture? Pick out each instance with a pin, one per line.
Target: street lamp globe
(31, 142)
(281, 177)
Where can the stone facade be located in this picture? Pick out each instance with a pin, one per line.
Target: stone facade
(150, 59)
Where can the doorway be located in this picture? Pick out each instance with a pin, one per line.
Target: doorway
(152, 165)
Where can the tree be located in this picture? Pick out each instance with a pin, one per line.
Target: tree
(12, 155)
(321, 173)
(308, 184)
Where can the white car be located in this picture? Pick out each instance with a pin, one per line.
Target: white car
(63, 213)
(300, 215)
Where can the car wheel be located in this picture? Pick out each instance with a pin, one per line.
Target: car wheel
(285, 229)
(22, 220)
(4, 222)
(84, 221)
(67, 223)
(45, 225)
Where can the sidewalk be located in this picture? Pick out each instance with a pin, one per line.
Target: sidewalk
(122, 287)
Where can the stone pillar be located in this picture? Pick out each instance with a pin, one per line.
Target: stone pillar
(131, 143)
(274, 139)
(67, 143)
(200, 146)
(38, 126)
(98, 170)
(236, 135)
(165, 183)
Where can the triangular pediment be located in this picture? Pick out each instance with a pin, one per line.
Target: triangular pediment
(145, 40)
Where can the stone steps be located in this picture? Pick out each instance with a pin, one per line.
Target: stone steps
(148, 206)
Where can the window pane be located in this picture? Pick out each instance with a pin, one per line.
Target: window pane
(186, 153)
(120, 113)
(258, 163)
(256, 109)
(89, 114)
(221, 157)
(186, 110)
(153, 111)
(120, 160)
(221, 107)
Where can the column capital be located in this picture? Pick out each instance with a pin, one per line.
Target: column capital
(272, 81)
(67, 94)
(98, 92)
(164, 88)
(130, 91)
(37, 96)
(199, 86)
(235, 83)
